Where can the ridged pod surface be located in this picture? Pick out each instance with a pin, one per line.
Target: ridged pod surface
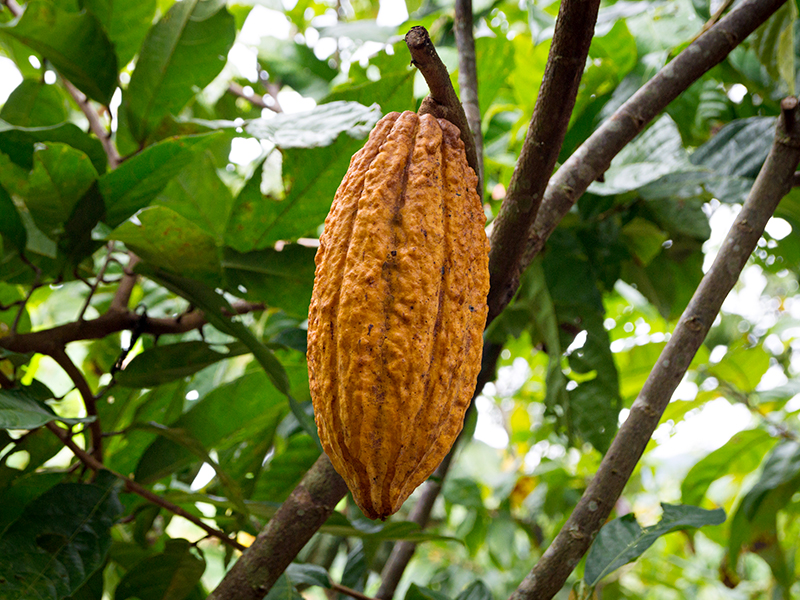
(398, 309)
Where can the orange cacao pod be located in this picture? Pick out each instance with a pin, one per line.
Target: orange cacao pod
(395, 326)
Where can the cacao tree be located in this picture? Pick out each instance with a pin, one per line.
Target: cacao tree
(165, 171)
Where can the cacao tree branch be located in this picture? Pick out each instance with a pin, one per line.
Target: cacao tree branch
(95, 465)
(468, 81)
(299, 517)
(562, 75)
(773, 183)
(403, 551)
(442, 102)
(594, 156)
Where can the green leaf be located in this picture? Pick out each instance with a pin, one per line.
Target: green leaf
(495, 59)
(216, 309)
(245, 404)
(319, 126)
(169, 241)
(644, 239)
(198, 194)
(184, 51)
(74, 42)
(308, 574)
(163, 364)
(171, 575)
(623, 540)
(416, 592)
(739, 456)
(286, 469)
(742, 367)
(22, 408)
(281, 279)
(19, 143)
(283, 590)
(59, 540)
(34, 104)
(126, 23)
(61, 176)
(11, 226)
(257, 222)
(138, 180)
(394, 90)
(475, 591)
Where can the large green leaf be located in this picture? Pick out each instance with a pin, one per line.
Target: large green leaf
(184, 51)
(171, 575)
(22, 408)
(125, 22)
(162, 364)
(257, 222)
(34, 104)
(198, 194)
(295, 64)
(740, 456)
(231, 410)
(137, 181)
(218, 311)
(61, 176)
(11, 227)
(59, 540)
(281, 279)
(19, 143)
(75, 43)
(167, 240)
(623, 540)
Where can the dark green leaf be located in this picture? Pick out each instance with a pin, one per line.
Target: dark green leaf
(169, 241)
(198, 194)
(171, 575)
(140, 179)
(216, 310)
(623, 540)
(740, 456)
(279, 279)
(257, 222)
(246, 404)
(61, 176)
(22, 409)
(11, 227)
(162, 364)
(738, 149)
(286, 469)
(19, 143)
(475, 591)
(416, 592)
(74, 42)
(184, 51)
(125, 22)
(34, 104)
(319, 126)
(59, 540)
(283, 590)
(308, 574)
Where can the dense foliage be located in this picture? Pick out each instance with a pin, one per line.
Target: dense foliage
(165, 168)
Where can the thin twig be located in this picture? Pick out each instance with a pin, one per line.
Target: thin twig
(773, 183)
(95, 465)
(442, 101)
(343, 589)
(713, 20)
(562, 75)
(468, 80)
(89, 401)
(125, 288)
(97, 280)
(95, 124)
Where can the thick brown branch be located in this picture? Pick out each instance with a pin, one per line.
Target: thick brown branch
(773, 183)
(562, 76)
(95, 465)
(594, 156)
(442, 102)
(468, 80)
(298, 518)
(49, 341)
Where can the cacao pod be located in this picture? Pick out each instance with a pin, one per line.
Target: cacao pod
(395, 326)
